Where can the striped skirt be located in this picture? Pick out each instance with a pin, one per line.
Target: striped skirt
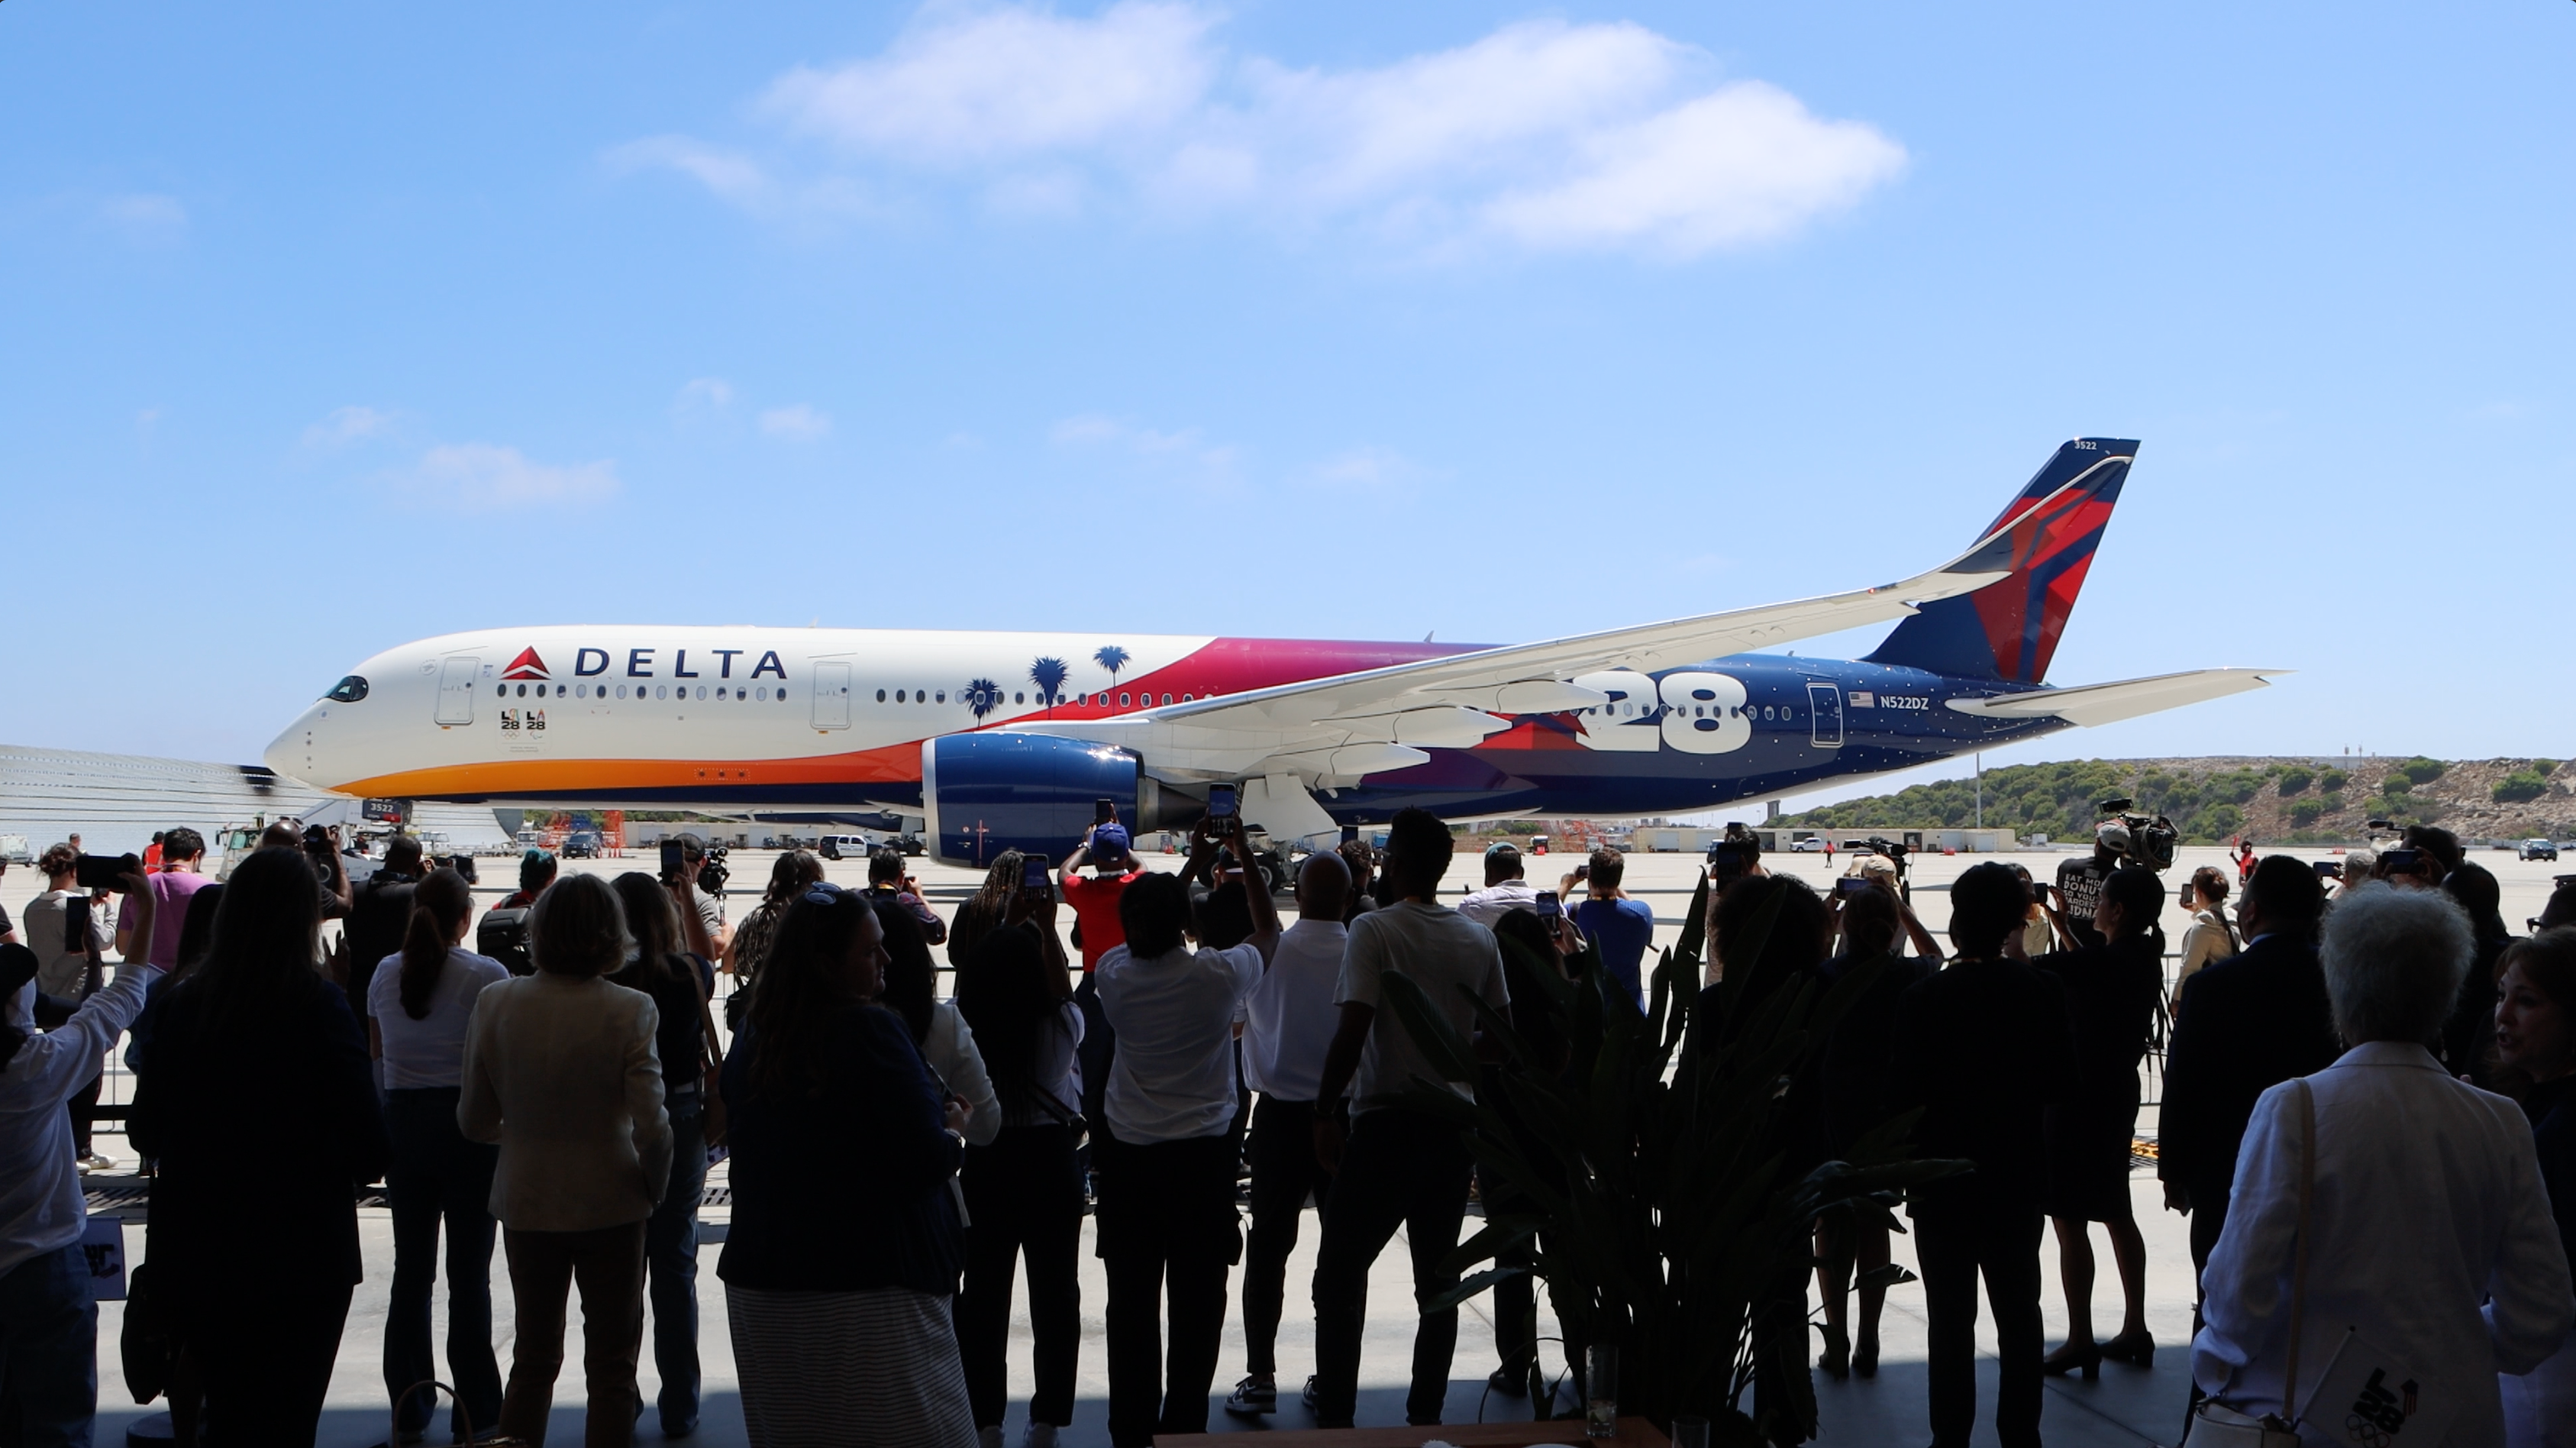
(849, 1368)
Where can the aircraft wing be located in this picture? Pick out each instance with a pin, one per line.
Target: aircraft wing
(1379, 719)
(2126, 699)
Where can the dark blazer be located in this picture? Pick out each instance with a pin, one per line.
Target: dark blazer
(264, 1133)
(846, 1191)
(2244, 1026)
(2552, 1108)
(1983, 1047)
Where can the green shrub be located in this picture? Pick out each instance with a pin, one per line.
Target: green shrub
(2395, 785)
(2333, 803)
(2333, 780)
(2420, 770)
(2520, 786)
(2295, 780)
(2305, 812)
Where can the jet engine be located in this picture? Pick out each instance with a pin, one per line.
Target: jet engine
(988, 792)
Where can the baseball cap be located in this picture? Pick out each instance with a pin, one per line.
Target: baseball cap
(1109, 841)
(1502, 850)
(2113, 835)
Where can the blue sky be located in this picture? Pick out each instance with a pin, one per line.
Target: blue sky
(323, 328)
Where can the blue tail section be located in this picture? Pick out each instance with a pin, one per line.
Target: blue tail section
(2008, 630)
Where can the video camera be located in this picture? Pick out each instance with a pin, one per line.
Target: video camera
(2147, 840)
(713, 874)
(324, 854)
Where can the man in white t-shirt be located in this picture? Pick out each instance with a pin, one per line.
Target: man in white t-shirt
(1288, 1026)
(1400, 1166)
(1164, 1160)
(1505, 891)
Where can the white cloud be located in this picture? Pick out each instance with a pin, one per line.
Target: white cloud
(482, 478)
(798, 423)
(347, 425)
(1541, 135)
(1185, 455)
(144, 216)
(1007, 83)
(701, 395)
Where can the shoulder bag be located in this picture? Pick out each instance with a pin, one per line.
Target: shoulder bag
(2213, 1423)
(711, 1060)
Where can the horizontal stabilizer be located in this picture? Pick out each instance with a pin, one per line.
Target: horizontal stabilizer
(2128, 698)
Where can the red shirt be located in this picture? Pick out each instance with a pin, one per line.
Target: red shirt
(1094, 899)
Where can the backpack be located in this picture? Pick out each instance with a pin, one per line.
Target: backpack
(503, 935)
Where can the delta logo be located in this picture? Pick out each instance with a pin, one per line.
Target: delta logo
(527, 666)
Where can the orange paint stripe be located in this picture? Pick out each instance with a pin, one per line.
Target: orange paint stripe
(893, 763)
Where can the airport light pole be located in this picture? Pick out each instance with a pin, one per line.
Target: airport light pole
(1980, 758)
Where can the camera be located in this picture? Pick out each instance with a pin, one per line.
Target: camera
(2135, 838)
(713, 874)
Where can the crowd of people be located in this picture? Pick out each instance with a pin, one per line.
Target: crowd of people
(2366, 1114)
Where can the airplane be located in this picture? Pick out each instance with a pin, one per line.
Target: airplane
(1001, 740)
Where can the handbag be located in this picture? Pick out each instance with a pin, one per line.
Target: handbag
(2213, 1423)
(711, 1117)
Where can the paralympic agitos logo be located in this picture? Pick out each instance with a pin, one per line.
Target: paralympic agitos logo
(590, 663)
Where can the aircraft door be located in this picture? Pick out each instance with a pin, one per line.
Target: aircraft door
(1825, 710)
(456, 690)
(831, 696)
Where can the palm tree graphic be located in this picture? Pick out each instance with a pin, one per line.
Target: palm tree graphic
(1048, 675)
(981, 697)
(1112, 658)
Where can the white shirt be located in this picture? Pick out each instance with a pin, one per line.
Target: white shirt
(2428, 1202)
(1173, 1076)
(1496, 901)
(41, 1206)
(949, 1049)
(43, 926)
(1439, 950)
(1289, 1019)
(429, 1052)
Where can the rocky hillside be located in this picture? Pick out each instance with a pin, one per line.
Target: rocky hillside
(2302, 801)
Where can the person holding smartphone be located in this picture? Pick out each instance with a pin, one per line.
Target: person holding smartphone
(1167, 1223)
(1097, 929)
(70, 938)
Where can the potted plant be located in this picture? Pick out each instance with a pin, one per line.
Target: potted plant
(1652, 1182)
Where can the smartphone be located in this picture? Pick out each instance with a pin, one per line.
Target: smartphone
(2400, 862)
(1220, 801)
(1853, 884)
(2329, 869)
(675, 860)
(1103, 811)
(105, 872)
(1725, 862)
(1548, 908)
(1033, 872)
(76, 925)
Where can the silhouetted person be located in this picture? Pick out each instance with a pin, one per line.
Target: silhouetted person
(1983, 1047)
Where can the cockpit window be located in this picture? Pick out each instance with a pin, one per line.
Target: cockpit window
(348, 691)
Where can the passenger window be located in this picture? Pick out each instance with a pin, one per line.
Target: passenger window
(1019, 698)
(1167, 698)
(943, 696)
(1122, 698)
(661, 691)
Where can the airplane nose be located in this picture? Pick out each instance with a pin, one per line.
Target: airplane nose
(290, 754)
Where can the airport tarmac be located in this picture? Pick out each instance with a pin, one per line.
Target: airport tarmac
(2127, 1406)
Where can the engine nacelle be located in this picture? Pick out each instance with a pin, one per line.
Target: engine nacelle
(988, 792)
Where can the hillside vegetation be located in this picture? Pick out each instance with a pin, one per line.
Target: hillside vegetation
(2302, 801)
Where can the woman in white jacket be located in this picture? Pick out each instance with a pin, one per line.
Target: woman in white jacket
(2430, 1243)
(2208, 940)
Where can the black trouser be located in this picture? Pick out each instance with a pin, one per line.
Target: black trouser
(1024, 1196)
(1956, 1242)
(439, 1177)
(1167, 1229)
(1284, 1173)
(1400, 1168)
(265, 1351)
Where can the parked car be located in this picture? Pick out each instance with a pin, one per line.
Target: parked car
(581, 845)
(846, 847)
(1810, 845)
(2539, 850)
(909, 843)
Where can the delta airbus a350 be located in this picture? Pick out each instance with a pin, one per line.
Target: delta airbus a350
(1006, 740)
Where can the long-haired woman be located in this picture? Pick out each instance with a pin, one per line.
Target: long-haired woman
(2535, 1055)
(946, 1044)
(418, 1005)
(793, 872)
(1023, 1185)
(2112, 989)
(259, 1104)
(677, 982)
(985, 911)
(841, 1323)
(2210, 938)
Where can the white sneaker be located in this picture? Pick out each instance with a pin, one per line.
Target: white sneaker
(1040, 1435)
(989, 1437)
(99, 1161)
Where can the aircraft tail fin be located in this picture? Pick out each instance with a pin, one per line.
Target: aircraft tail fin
(2008, 630)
